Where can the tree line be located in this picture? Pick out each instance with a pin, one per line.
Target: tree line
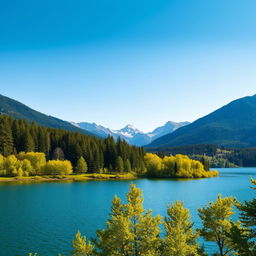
(100, 154)
(219, 156)
(179, 166)
(27, 149)
(33, 164)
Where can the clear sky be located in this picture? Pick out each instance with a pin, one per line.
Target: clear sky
(115, 62)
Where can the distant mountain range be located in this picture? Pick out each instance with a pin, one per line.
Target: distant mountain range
(233, 125)
(18, 110)
(131, 134)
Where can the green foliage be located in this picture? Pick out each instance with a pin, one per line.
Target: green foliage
(176, 166)
(26, 167)
(81, 166)
(153, 164)
(32, 163)
(119, 164)
(217, 223)
(180, 238)
(130, 230)
(58, 167)
(206, 163)
(36, 159)
(244, 238)
(81, 248)
(230, 126)
(18, 110)
(127, 165)
(6, 138)
(218, 157)
(20, 136)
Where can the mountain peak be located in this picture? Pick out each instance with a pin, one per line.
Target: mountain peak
(129, 127)
(130, 133)
(232, 125)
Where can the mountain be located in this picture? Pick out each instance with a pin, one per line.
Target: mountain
(130, 133)
(233, 125)
(18, 110)
(169, 127)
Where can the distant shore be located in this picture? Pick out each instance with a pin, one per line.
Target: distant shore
(80, 177)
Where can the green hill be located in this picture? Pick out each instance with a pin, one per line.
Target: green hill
(18, 110)
(233, 125)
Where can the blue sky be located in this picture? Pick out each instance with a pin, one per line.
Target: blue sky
(116, 62)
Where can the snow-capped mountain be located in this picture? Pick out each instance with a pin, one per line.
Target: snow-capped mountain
(169, 127)
(130, 133)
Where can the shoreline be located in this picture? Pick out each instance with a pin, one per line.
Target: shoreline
(72, 178)
(90, 177)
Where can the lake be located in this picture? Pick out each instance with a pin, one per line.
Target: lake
(44, 217)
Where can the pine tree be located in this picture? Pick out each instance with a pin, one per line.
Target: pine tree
(244, 238)
(206, 163)
(145, 228)
(29, 142)
(6, 139)
(81, 248)
(127, 165)
(130, 231)
(81, 166)
(119, 164)
(116, 238)
(180, 238)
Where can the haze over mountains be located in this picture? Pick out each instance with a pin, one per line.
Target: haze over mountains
(233, 125)
(130, 133)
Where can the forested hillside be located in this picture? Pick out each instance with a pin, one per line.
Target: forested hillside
(233, 125)
(218, 156)
(19, 135)
(18, 110)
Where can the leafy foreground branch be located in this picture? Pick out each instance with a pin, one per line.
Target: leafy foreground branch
(133, 231)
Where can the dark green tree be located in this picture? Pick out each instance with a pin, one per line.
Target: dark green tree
(6, 138)
(29, 145)
(81, 166)
(119, 164)
(127, 166)
(245, 238)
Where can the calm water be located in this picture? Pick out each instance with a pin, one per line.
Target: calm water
(44, 217)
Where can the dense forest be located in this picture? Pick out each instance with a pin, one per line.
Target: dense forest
(218, 156)
(100, 154)
(27, 149)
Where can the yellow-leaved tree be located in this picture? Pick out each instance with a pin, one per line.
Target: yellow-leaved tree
(180, 238)
(81, 247)
(58, 167)
(130, 230)
(217, 223)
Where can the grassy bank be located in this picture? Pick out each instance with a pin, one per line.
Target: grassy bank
(79, 177)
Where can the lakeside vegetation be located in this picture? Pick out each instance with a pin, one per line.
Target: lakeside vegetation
(33, 166)
(132, 231)
(101, 155)
(219, 157)
(71, 177)
(178, 166)
(29, 150)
